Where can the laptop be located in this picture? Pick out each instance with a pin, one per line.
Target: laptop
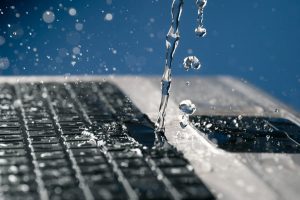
(92, 137)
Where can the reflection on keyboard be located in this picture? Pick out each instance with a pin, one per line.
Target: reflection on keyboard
(250, 134)
(43, 154)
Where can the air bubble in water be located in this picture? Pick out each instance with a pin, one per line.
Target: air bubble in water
(187, 107)
(191, 62)
(48, 16)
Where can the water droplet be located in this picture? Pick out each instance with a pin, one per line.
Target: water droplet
(208, 126)
(200, 31)
(24, 187)
(90, 142)
(78, 26)
(12, 178)
(276, 110)
(13, 169)
(108, 17)
(187, 107)
(72, 11)
(48, 16)
(44, 95)
(268, 137)
(240, 117)
(76, 50)
(183, 120)
(87, 134)
(187, 83)
(191, 62)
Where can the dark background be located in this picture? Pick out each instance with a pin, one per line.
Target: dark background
(256, 41)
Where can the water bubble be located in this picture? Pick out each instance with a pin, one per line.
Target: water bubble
(72, 11)
(191, 62)
(108, 17)
(4, 63)
(2, 40)
(187, 107)
(48, 16)
(200, 31)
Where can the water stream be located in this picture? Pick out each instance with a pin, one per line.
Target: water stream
(172, 40)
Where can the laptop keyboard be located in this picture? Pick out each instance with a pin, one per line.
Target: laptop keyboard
(83, 140)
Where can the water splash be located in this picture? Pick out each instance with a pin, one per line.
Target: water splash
(191, 62)
(172, 40)
(200, 30)
(187, 108)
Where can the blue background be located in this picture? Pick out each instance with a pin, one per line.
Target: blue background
(256, 41)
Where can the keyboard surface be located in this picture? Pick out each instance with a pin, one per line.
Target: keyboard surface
(85, 140)
(248, 134)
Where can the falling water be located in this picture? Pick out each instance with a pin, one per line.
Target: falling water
(172, 40)
(200, 30)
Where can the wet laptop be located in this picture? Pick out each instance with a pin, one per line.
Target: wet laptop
(93, 138)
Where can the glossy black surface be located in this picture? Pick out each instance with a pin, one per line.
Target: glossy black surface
(250, 134)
